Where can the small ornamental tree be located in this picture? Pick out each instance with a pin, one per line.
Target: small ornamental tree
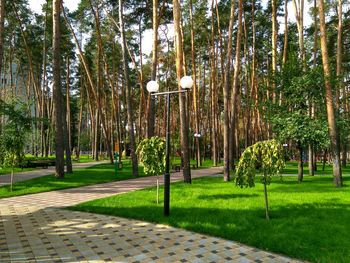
(265, 157)
(13, 135)
(151, 152)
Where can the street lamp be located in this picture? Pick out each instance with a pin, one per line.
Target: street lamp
(186, 83)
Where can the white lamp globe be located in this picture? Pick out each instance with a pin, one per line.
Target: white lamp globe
(186, 82)
(152, 86)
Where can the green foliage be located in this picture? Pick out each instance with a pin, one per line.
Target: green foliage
(302, 128)
(264, 156)
(152, 155)
(13, 134)
(291, 120)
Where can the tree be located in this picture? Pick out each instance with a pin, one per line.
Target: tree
(2, 24)
(128, 93)
(57, 89)
(151, 152)
(182, 99)
(234, 93)
(13, 135)
(265, 157)
(291, 120)
(150, 112)
(337, 173)
(226, 89)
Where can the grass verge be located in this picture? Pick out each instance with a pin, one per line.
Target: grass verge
(7, 170)
(97, 174)
(309, 221)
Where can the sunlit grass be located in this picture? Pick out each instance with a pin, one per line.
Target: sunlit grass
(309, 221)
(101, 173)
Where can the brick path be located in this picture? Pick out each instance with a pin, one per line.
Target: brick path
(34, 229)
(24, 176)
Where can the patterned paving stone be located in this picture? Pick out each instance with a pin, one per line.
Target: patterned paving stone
(55, 238)
(33, 229)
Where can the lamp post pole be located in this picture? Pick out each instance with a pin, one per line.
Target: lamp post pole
(152, 87)
(167, 161)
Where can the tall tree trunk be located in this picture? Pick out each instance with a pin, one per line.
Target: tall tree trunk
(285, 45)
(195, 90)
(234, 94)
(150, 110)
(2, 24)
(44, 96)
(67, 122)
(339, 53)
(226, 91)
(337, 173)
(128, 94)
(300, 163)
(213, 88)
(299, 13)
(340, 88)
(142, 108)
(274, 49)
(80, 120)
(57, 92)
(97, 135)
(182, 98)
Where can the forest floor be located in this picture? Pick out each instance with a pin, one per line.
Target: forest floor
(309, 221)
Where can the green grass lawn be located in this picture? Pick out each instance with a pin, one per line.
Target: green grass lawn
(83, 159)
(205, 163)
(101, 173)
(16, 170)
(309, 221)
(292, 168)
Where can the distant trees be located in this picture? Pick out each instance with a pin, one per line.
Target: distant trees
(248, 72)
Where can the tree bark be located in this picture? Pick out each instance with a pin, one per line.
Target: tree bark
(226, 90)
(234, 94)
(300, 164)
(337, 173)
(194, 88)
(274, 49)
(299, 13)
(57, 89)
(339, 53)
(128, 94)
(67, 123)
(285, 45)
(2, 25)
(182, 98)
(150, 111)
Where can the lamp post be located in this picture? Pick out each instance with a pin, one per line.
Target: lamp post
(186, 83)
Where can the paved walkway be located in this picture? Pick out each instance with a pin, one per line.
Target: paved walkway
(23, 176)
(34, 229)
